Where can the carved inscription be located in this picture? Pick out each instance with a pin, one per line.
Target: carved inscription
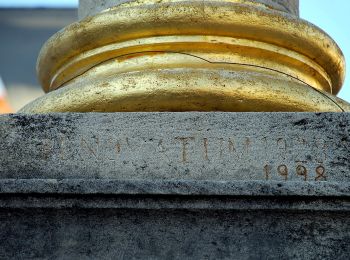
(280, 158)
(302, 171)
(239, 152)
(47, 147)
(285, 173)
(184, 141)
(91, 148)
(321, 174)
(205, 143)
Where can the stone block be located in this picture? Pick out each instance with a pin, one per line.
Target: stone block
(175, 186)
(177, 146)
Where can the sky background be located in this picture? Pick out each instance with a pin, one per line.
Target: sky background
(332, 16)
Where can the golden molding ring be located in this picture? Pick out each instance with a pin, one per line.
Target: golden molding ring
(205, 90)
(205, 51)
(192, 18)
(158, 57)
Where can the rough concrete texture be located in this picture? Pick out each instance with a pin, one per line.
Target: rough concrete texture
(183, 188)
(100, 219)
(172, 234)
(302, 147)
(92, 7)
(175, 186)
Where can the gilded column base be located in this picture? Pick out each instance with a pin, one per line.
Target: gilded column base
(190, 56)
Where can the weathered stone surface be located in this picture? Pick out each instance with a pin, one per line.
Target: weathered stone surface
(161, 195)
(172, 234)
(108, 219)
(179, 188)
(92, 7)
(287, 147)
(175, 186)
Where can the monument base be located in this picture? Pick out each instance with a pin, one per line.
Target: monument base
(175, 185)
(103, 219)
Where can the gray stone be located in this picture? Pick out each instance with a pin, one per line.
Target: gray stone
(75, 233)
(100, 219)
(161, 195)
(92, 7)
(175, 186)
(177, 146)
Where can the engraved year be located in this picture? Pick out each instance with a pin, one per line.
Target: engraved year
(286, 173)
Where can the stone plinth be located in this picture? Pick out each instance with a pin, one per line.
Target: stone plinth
(175, 185)
(177, 146)
(83, 221)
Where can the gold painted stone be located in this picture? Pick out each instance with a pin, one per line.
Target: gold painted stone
(190, 56)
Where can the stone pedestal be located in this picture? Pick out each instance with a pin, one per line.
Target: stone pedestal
(180, 185)
(175, 185)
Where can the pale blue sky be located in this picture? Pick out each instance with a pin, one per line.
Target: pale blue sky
(39, 3)
(332, 16)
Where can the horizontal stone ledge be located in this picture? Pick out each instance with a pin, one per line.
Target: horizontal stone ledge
(166, 204)
(173, 188)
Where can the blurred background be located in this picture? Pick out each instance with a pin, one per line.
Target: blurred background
(25, 25)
